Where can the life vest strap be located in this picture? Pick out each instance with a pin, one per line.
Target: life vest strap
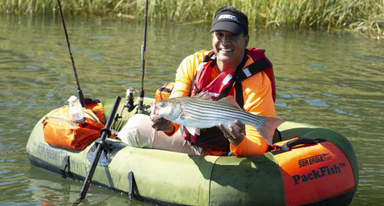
(249, 71)
(254, 68)
(209, 57)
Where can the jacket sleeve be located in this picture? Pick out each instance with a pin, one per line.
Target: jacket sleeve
(257, 93)
(185, 74)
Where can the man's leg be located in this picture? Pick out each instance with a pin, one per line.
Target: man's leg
(138, 132)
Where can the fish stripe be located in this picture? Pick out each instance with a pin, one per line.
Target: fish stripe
(211, 112)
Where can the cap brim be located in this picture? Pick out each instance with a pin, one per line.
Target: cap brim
(232, 27)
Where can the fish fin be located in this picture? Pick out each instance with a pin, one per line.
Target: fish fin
(267, 129)
(204, 95)
(230, 100)
(193, 130)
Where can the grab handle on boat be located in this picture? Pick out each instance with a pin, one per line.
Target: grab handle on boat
(287, 146)
(106, 131)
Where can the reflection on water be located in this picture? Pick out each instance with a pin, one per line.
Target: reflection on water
(50, 190)
(334, 81)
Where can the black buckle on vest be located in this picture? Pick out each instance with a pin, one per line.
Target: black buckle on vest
(254, 68)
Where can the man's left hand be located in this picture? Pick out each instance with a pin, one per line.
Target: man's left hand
(233, 132)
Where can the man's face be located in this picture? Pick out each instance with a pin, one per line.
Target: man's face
(229, 48)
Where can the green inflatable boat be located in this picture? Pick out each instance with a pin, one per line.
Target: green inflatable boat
(308, 165)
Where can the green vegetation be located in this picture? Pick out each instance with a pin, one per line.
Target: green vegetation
(359, 15)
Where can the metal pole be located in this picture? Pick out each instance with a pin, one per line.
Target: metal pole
(106, 133)
(143, 48)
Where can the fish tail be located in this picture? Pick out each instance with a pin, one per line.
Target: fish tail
(267, 129)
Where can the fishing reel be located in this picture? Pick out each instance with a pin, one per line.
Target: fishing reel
(130, 102)
(130, 105)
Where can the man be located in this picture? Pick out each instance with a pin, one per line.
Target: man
(212, 71)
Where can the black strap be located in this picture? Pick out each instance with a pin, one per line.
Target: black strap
(65, 168)
(164, 89)
(90, 100)
(239, 93)
(254, 68)
(207, 57)
(288, 145)
(191, 87)
(133, 190)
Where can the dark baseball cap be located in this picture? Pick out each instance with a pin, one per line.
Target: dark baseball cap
(228, 21)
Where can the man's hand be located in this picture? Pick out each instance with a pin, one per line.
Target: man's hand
(233, 132)
(164, 125)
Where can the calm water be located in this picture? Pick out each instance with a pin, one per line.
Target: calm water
(335, 81)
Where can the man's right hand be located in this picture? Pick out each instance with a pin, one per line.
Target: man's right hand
(164, 125)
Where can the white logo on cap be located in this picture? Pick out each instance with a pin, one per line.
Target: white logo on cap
(228, 16)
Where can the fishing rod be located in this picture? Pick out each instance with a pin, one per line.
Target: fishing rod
(101, 146)
(143, 47)
(80, 92)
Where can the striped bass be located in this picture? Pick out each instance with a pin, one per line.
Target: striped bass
(196, 112)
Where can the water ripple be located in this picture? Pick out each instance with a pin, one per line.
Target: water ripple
(339, 111)
(8, 183)
(330, 95)
(99, 37)
(318, 65)
(280, 104)
(32, 67)
(317, 103)
(38, 39)
(287, 96)
(369, 58)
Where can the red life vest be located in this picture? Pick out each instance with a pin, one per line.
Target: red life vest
(212, 138)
